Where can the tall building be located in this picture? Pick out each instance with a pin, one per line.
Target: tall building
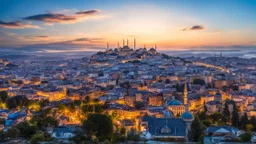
(185, 94)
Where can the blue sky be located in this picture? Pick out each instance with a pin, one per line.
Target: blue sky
(170, 24)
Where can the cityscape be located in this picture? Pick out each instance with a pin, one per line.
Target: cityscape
(76, 74)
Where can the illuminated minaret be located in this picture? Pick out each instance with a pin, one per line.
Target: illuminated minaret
(127, 43)
(155, 46)
(134, 43)
(185, 94)
(123, 43)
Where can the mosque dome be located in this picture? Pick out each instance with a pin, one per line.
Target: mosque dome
(173, 102)
(187, 116)
(152, 49)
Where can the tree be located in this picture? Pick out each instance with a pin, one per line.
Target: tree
(41, 121)
(253, 122)
(196, 130)
(122, 131)
(98, 125)
(133, 136)
(50, 121)
(21, 100)
(26, 129)
(244, 121)
(3, 96)
(139, 105)
(246, 137)
(87, 99)
(249, 128)
(96, 100)
(37, 138)
(177, 87)
(13, 132)
(79, 137)
(235, 116)
(2, 136)
(226, 112)
(217, 118)
(199, 82)
(77, 102)
(44, 103)
(11, 103)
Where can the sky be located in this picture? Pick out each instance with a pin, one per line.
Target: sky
(80, 25)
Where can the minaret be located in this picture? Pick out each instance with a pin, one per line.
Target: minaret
(134, 43)
(127, 43)
(155, 46)
(118, 46)
(144, 46)
(107, 46)
(123, 43)
(185, 94)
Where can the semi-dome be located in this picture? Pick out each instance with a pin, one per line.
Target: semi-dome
(168, 114)
(187, 116)
(173, 102)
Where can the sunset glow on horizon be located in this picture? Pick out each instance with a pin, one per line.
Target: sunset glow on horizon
(90, 25)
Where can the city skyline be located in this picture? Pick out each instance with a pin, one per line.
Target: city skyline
(54, 26)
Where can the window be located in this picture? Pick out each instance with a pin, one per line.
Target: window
(165, 130)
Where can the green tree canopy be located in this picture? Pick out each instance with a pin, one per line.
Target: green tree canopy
(13, 133)
(196, 130)
(235, 116)
(244, 121)
(226, 112)
(99, 125)
(3, 96)
(37, 138)
(41, 121)
(26, 129)
(246, 137)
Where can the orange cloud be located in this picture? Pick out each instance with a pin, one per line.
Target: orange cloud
(17, 25)
(196, 27)
(50, 18)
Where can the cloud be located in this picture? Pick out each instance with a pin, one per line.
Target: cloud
(17, 25)
(86, 40)
(42, 36)
(196, 27)
(50, 18)
(89, 12)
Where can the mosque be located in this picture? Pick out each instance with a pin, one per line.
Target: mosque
(170, 126)
(127, 50)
